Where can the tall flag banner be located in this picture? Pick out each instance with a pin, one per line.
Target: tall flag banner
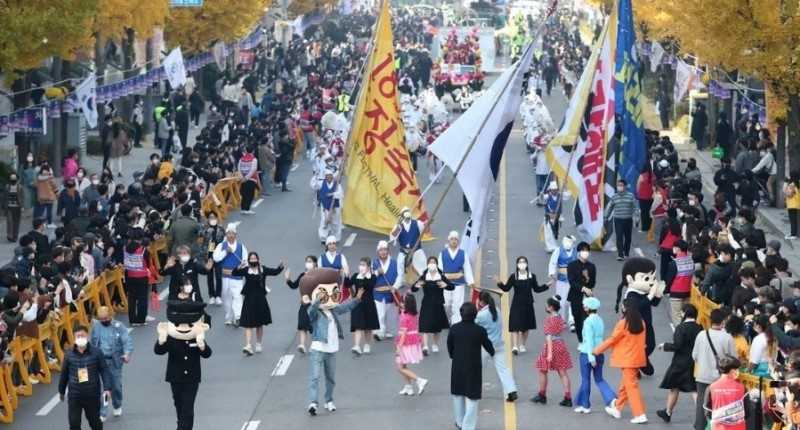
(628, 91)
(685, 79)
(86, 93)
(380, 179)
(174, 68)
(656, 54)
(488, 122)
(578, 153)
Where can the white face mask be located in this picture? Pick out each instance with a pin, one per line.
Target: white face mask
(81, 342)
(584, 255)
(184, 259)
(212, 222)
(620, 189)
(187, 289)
(432, 268)
(309, 265)
(79, 174)
(95, 182)
(522, 267)
(30, 159)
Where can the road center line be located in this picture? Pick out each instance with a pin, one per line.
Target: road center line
(350, 239)
(250, 425)
(256, 203)
(283, 365)
(48, 406)
(509, 408)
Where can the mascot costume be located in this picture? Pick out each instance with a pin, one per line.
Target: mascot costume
(322, 289)
(183, 339)
(557, 270)
(641, 285)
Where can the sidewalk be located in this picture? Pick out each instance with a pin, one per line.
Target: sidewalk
(136, 161)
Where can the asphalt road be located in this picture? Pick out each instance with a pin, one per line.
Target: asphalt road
(268, 390)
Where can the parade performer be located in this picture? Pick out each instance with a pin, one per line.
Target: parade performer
(364, 317)
(644, 290)
(303, 323)
(333, 259)
(389, 281)
(557, 270)
(321, 289)
(329, 197)
(432, 315)
(408, 235)
(230, 254)
(112, 339)
(183, 339)
(453, 261)
(255, 307)
(522, 316)
(552, 215)
(590, 364)
(408, 347)
(491, 322)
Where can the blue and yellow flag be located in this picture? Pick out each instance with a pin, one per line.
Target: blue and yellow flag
(627, 93)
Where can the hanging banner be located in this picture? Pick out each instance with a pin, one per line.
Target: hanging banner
(174, 68)
(220, 52)
(30, 120)
(380, 179)
(656, 54)
(684, 80)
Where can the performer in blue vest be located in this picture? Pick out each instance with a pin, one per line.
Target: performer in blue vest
(388, 282)
(455, 265)
(329, 197)
(557, 270)
(408, 235)
(333, 259)
(229, 255)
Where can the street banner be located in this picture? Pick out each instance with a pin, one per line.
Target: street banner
(28, 120)
(656, 54)
(174, 68)
(380, 179)
(220, 52)
(685, 80)
(86, 94)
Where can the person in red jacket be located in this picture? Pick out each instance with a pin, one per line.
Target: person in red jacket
(724, 399)
(679, 279)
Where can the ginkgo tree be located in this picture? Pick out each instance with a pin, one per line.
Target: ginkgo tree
(195, 29)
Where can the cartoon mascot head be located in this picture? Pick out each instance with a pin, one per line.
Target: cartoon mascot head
(185, 319)
(321, 284)
(639, 275)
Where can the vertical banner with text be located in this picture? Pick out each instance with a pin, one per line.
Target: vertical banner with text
(380, 179)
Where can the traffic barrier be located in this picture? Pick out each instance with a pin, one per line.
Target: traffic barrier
(107, 289)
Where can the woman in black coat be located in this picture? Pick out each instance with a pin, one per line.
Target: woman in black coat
(303, 322)
(679, 376)
(255, 308)
(522, 316)
(464, 343)
(432, 316)
(363, 317)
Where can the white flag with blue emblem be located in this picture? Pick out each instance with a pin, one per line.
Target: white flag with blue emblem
(488, 121)
(175, 69)
(86, 93)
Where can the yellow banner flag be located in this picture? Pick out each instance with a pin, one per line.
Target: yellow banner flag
(380, 178)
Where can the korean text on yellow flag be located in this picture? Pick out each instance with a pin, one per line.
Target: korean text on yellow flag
(380, 179)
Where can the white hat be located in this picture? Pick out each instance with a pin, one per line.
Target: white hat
(404, 210)
(664, 164)
(553, 186)
(452, 235)
(331, 239)
(231, 228)
(383, 245)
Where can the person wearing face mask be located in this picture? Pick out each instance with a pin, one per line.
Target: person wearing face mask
(214, 234)
(455, 265)
(621, 209)
(719, 280)
(81, 181)
(112, 339)
(557, 271)
(255, 308)
(13, 207)
(303, 321)
(28, 175)
(582, 276)
(183, 266)
(69, 200)
(522, 316)
(363, 317)
(84, 371)
(678, 279)
(388, 282)
(408, 234)
(229, 254)
(432, 314)
(46, 190)
(489, 319)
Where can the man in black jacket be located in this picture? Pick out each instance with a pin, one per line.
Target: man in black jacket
(581, 274)
(726, 179)
(83, 369)
(464, 342)
(183, 339)
(717, 282)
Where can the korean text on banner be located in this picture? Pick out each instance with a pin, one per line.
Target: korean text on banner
(380, 179)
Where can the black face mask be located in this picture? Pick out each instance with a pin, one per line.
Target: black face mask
(106, 323)
(253, 263)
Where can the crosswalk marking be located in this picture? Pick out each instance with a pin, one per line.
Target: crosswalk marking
(283, 365)
(350, 239)
(250, 425)
(256, 203)
(48, 406)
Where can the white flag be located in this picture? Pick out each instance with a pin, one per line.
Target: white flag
(488, 121)
(220, 52)
(656, 54)
(684, 77)
(86, 94)
(173, 66)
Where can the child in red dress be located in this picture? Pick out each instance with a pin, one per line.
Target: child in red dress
(408, 346)
(555, 355)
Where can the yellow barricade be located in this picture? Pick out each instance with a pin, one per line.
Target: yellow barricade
(8, 394)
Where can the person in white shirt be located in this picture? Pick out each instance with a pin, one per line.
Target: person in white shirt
(229, 255)
(455, 265)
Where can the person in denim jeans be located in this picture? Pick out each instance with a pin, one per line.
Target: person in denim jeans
(489, 320)
(590, 364)
(323, 313)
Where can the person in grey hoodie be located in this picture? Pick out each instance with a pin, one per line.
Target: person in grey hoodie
(709, 346)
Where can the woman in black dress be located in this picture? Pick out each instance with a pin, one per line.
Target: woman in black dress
(303, 322)
(255, 309)
(522, 316)
(679, 377)
(363, 317)
(432, 316)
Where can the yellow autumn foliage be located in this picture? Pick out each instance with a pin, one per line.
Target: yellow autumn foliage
(302, 7)
(115, 16)
(195, 29)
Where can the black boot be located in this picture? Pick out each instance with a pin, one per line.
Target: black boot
(540, 398)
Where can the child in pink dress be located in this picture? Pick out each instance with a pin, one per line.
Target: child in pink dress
(408, 347)
(555, 355)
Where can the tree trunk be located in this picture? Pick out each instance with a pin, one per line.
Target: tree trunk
(100, 71)
(793, 132)
(713, 116)
(780, 158)
(128, 53)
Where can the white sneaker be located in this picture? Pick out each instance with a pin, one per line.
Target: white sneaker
(330, 406)
(367, 349)
(219, 301)
(258, 347)
(421, 383)
(388, 336)
(228, 322)
(102, 419)
(641, 419)
(406, 391)
(149, 318)
(515, 350)
(522, 349)
(301, 349)
(435, 348)
(312, 409)
(118, 412)
(790, 237)
(247, 350)
(356, 350)
(582, 410)
(612, 410)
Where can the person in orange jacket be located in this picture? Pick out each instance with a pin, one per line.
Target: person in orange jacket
(628, 342)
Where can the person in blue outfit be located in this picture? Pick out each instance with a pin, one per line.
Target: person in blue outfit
(491, 322)
(112, 339)
(389, 280)
(590, 364)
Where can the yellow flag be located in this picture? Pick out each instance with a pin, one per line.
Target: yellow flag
(380, 178)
